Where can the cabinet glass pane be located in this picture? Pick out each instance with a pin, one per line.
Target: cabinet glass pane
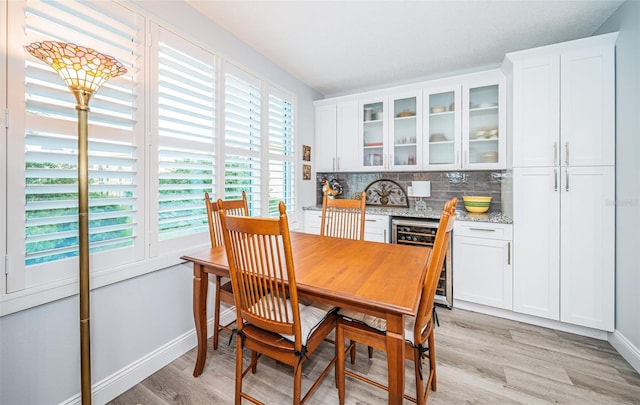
(483, 124)
(441, 128)
(404, 131)
(373, 114)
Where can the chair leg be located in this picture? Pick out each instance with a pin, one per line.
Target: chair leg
(432, 359)
(297, 384)
(216, 314)
(340, 363)
(254, 361)
(420, 393)
(352, 352)
(238, 397)
(370, 352)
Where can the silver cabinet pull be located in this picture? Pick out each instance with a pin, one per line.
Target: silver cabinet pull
(334, 164)
(555, 154)
(509, 253)
(567, 179)
(555, 179)
(482, 229)
(566, 153)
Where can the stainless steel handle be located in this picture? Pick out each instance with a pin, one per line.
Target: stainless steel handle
(334, 164)
(555, 153)
(566, 179)
(555, 179)
(482, 229)
(509, 253)
(370, 220)
(385, 235)
(566, 153)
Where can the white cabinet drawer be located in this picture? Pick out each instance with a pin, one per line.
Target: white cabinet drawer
(483, 230)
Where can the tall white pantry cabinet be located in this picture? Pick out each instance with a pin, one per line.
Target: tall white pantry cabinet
(563, 151)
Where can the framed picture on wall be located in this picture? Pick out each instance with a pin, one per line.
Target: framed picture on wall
(306, 172)
(306, 153)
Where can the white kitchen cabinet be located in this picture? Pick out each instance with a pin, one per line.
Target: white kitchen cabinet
(336, 141)
(390, 130)
(563, 181)
(376, 227)
(465, 123)
(482, 263)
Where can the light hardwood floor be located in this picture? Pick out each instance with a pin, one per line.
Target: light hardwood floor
(481, 360)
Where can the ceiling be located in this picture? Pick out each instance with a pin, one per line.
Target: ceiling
(341, 47)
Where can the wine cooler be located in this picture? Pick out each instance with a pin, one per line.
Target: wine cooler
(418, 232)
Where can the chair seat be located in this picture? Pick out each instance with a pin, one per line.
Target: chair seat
(311, 316)
(378, 324)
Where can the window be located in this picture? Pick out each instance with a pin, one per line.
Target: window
(185, 145)
(281, 153)
(180, 123)
(242, 137)
(43, 146)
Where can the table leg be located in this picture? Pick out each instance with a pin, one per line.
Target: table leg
(395, 358)
(200, 286)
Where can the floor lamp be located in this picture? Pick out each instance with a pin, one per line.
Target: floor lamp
(84, 70)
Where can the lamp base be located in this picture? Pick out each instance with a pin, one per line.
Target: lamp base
(421, 205)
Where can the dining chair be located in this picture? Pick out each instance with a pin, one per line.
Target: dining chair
(224, 291)
(270, 319)
(343, 218)
(419, 331)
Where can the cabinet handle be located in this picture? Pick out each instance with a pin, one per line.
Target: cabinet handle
(509, 253)
(385, 235)
(566, 179)
(555, 179)
(370, 220)
(334, 164)
(566, 153)
(482, 229)
(555, 154)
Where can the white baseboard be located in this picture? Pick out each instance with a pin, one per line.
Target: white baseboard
(533, 320)
(626, 349)
(125, 378)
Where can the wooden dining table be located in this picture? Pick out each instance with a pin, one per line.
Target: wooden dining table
(380, 279)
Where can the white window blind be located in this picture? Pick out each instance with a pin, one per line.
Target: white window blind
(43, 145)
(242, 137)
(281, 153)
(186, 136)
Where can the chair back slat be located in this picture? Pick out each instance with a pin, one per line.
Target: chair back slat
(262, 272)
(434, 268)
(232, 207)
(343, 218)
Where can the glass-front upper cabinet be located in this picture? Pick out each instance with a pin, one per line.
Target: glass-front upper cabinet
(390, 133)
(442, 141)
(374, 134)
(483, 134)
(404, 133)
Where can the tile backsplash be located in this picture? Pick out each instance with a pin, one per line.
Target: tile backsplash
(444, 185)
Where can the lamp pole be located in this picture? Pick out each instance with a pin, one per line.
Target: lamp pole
(84, 70)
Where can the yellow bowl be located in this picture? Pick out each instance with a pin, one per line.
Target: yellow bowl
(476, 204)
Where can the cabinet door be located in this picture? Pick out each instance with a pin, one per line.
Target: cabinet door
(536, 112)
(405, 130)
(587, 245)
(482, 271)
(373, 134)
(588, 107)
(312, 221)
(324, 154)
(347, 148)
(442, 141)
(376, 228)
(536, 241)
(483, 125)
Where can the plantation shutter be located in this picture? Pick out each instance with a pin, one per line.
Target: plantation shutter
(186, 108)
(242, 137)
(281, 153)
(43, 145)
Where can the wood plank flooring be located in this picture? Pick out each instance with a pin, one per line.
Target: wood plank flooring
(481, 360)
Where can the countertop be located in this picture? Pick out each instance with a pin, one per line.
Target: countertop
(430, 213)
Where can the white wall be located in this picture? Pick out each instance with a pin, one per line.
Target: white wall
(140, 322)
(626, 20)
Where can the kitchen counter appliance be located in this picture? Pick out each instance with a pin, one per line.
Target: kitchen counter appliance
(420, 232)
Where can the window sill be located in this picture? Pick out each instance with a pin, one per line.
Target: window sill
(33, 297)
